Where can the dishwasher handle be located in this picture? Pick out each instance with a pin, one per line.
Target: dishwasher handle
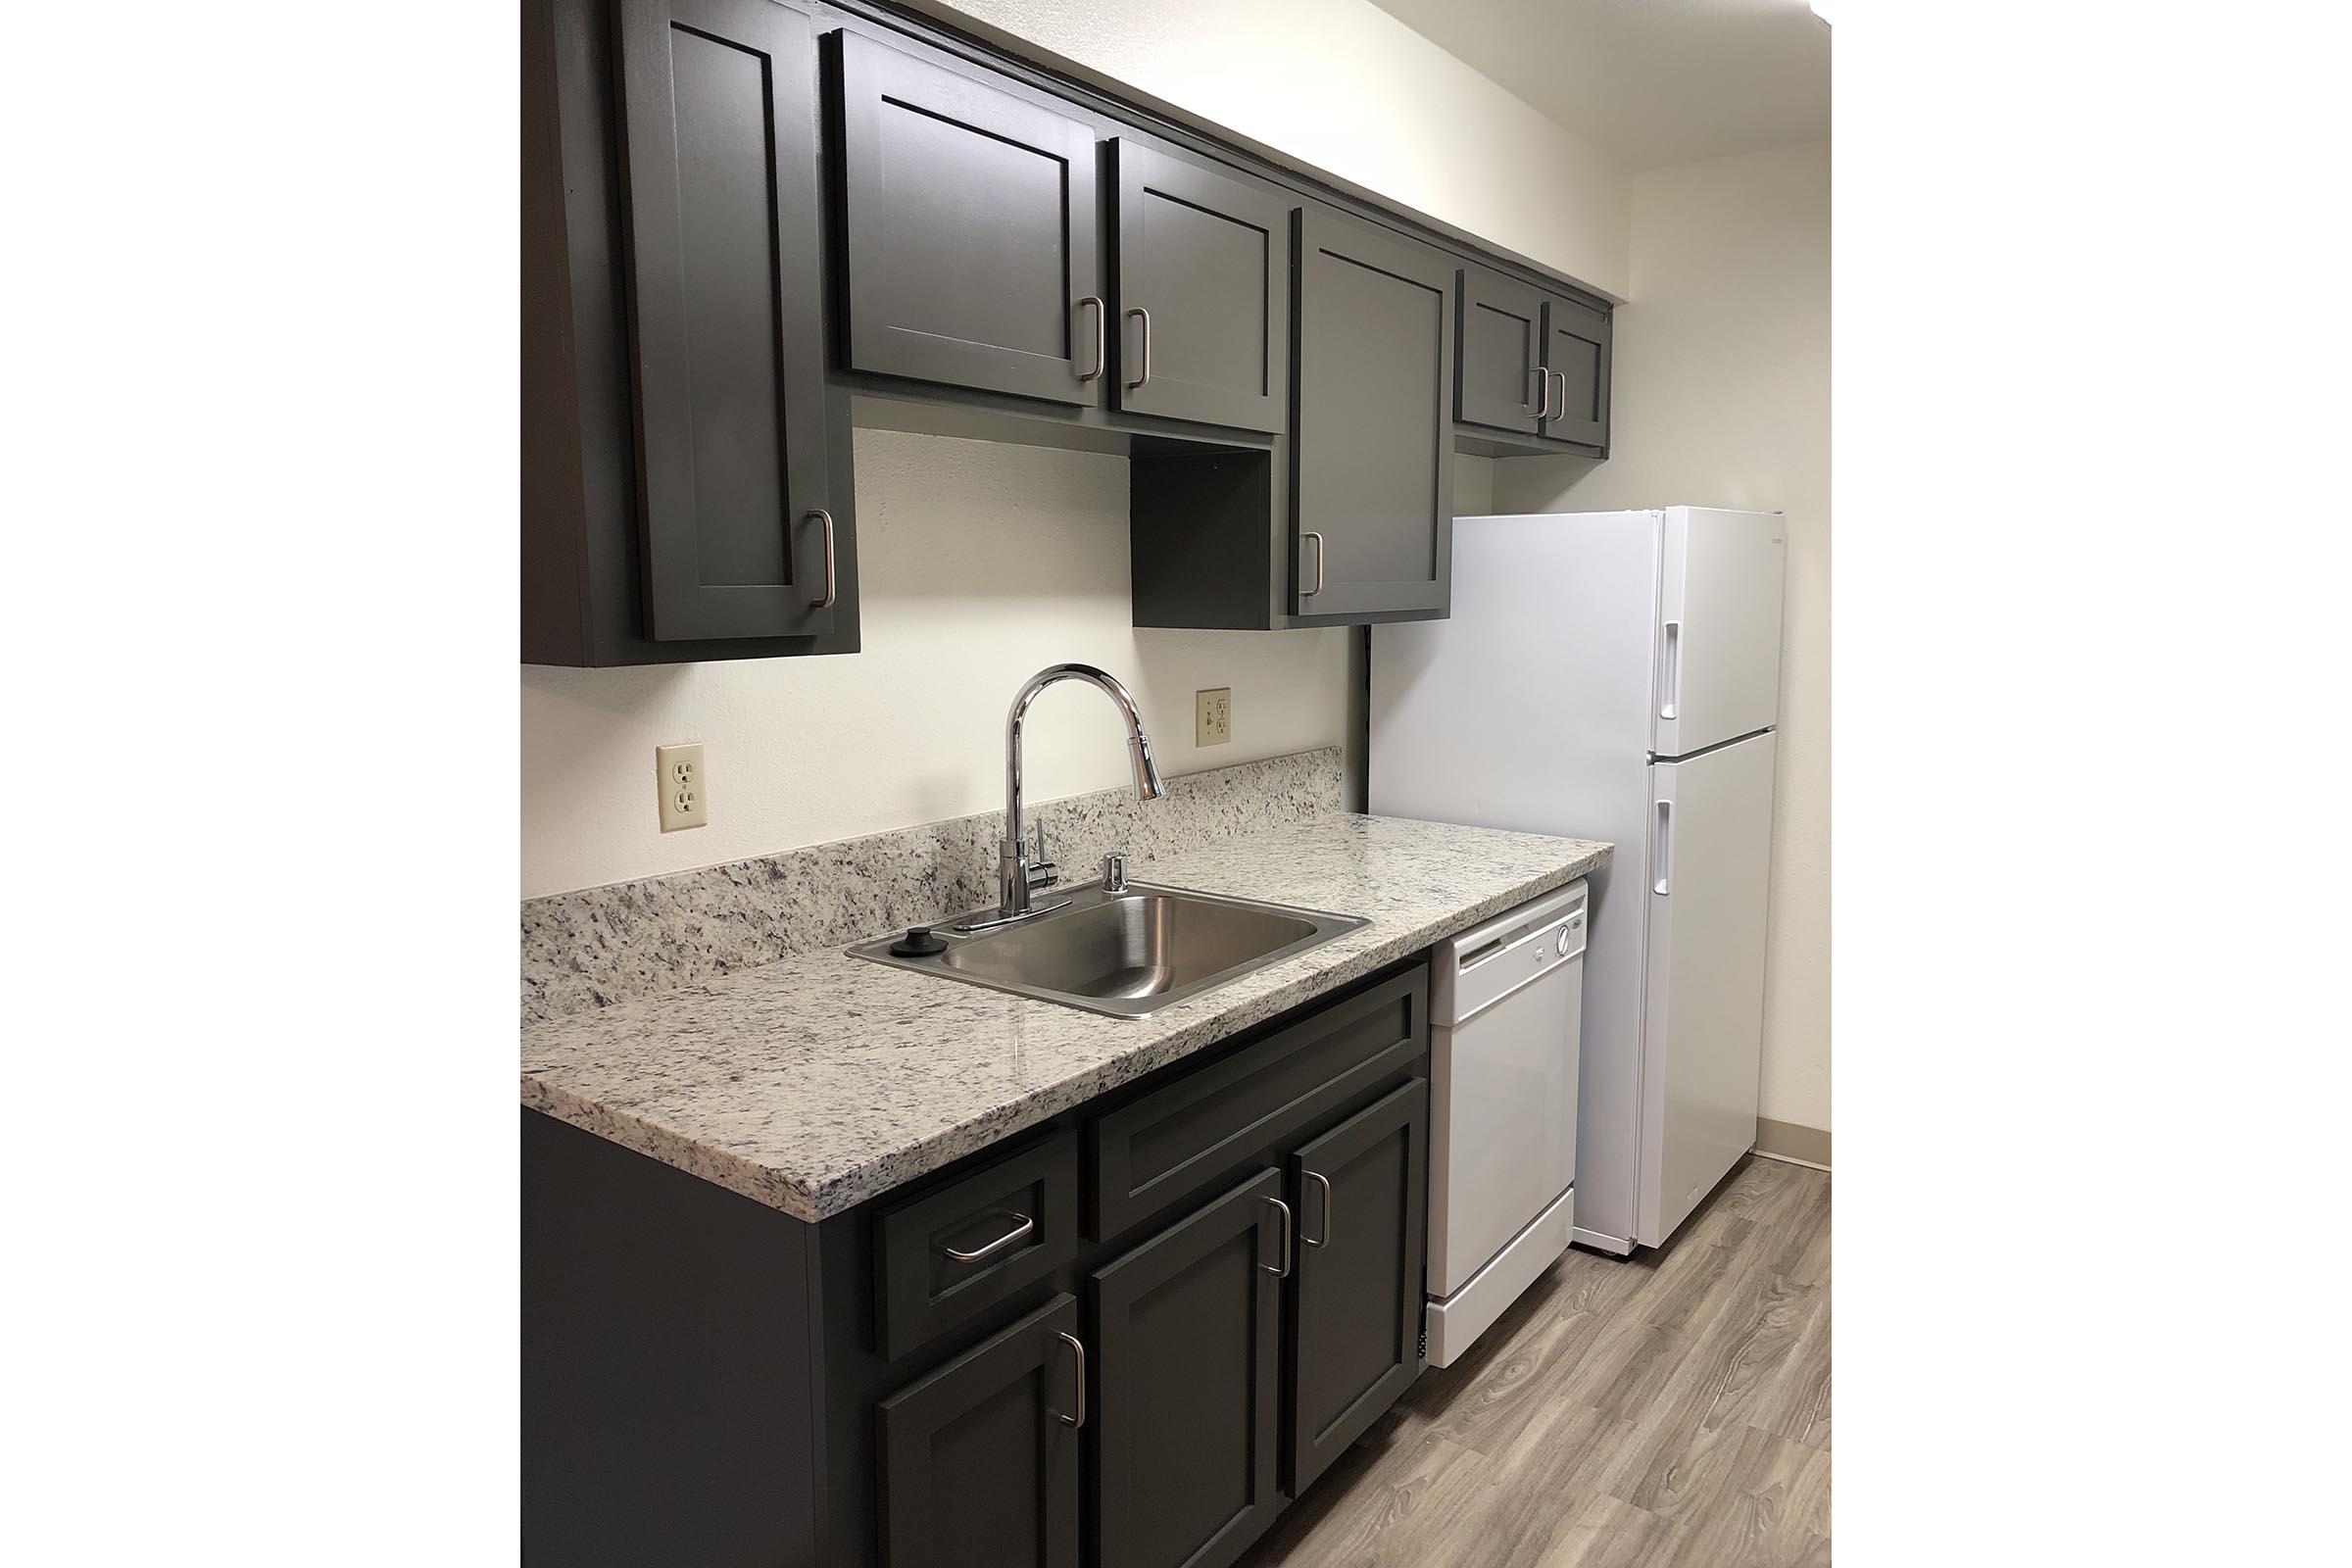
(1497, 973)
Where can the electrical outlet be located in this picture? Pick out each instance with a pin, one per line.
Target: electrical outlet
(1212, 716)
(678, 779)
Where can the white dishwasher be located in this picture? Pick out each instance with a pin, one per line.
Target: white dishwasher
(1504, 1007)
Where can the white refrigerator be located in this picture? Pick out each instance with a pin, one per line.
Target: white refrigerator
(1616, 675)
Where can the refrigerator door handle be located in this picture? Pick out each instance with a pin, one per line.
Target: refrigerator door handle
(1670, 677)
(1661, 854)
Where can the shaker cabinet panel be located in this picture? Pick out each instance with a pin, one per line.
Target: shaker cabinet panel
(1359, 1191)
(980, 1458)
(1576, 359)
(1498, 377)
(970, 251)
(718, 155)
(1373, 471)
(1204, 292)
(1189, 1328)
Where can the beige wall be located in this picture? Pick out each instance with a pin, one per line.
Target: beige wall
(979, 564)
(1345, 87)
(1722, 391)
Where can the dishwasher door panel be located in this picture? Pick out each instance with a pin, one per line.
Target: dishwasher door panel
(1502, 1121)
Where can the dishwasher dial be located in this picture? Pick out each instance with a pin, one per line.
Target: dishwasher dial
(1563, 943)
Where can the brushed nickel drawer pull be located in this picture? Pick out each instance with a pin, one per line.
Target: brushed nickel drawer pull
(1019, 1233)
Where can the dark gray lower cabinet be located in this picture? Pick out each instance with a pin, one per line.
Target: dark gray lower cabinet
(986, 1369)
(980, 1458)
(1360, 1193)
(1188, 1336)
(1372, 474)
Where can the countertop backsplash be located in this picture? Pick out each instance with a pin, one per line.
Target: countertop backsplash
(600, 945)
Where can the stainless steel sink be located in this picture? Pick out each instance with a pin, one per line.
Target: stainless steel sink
(1129, 953)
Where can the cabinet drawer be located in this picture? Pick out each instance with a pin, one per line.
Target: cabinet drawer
(965, 1247)
(1162, 1148)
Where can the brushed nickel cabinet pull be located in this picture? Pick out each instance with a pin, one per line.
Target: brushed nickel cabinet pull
(1543, 394)
(1077, 1351)
(1284, 1272)
(832, 581)
(1144, 372)
(1324, 1182)
(1307, 593)
(1101, 338)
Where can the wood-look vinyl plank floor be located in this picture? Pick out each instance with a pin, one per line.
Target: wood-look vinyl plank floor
(1671, 1411)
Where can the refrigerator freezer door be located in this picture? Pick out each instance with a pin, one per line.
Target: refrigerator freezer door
(1709, 854)
(1717, 657)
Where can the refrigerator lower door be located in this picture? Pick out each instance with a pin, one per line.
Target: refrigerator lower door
(1709, 853)
(1718, 657)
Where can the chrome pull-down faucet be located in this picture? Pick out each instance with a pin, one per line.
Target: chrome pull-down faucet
(1017, 876)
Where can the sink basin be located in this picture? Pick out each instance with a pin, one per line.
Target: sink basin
(1128, 953)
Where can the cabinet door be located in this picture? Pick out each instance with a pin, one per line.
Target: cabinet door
(1188, 1326)
(980, 1458)
(1373, 471)
(1575, 355)
(719, 146)
(1359, 1191)
(969, 238)
(1204, 292)
(1499, 379)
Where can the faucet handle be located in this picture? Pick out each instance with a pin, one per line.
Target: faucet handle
(1042, 872)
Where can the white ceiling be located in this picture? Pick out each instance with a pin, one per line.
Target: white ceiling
(1648, 82)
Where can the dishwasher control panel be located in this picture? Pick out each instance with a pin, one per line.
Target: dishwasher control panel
(1488, 963)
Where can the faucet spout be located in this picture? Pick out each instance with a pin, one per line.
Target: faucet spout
(1016, 875)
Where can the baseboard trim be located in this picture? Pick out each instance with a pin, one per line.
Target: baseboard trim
(1798, 1144)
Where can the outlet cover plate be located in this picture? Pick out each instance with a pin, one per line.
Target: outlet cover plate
(680, 786)
(1212, 716)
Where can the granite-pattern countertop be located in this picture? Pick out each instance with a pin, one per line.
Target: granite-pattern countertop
(815, 1081)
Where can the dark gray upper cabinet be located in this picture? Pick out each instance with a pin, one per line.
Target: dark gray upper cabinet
(1576, 359)
(717, 123)
(1357, 1334)
(685, 466)
(1499, 372)
(1372, 473)
(1204, 292)
(1188, 1331)
(980, 1458)
(738, 219)
(969, 254)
